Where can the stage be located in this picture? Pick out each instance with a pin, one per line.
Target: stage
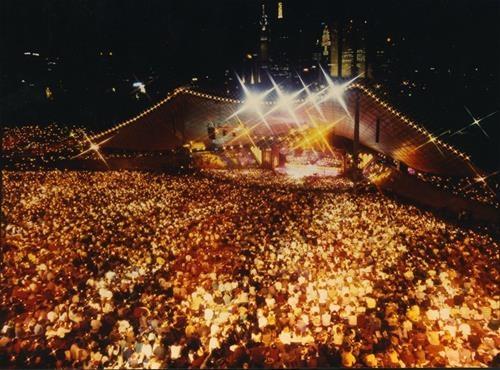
(299, 170)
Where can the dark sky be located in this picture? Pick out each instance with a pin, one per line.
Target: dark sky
(211, 34)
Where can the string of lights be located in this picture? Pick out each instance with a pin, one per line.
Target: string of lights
(420, 128)
(354, 85)
(140, 115)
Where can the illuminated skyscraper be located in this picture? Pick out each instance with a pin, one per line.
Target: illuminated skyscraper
(280, 48)
(265, 37)
(326, 43)
(347, 51)
(280, 10)
(280, 40)
(335, 53)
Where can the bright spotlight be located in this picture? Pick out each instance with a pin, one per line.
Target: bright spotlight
(312, 99)
(336, 91)
(286, 102)
(252, 102)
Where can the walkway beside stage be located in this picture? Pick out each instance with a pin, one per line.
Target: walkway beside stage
(411, 187)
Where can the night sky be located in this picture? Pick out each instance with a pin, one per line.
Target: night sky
(171, 41)
(208, 35)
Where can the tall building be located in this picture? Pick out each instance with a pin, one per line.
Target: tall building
(265, 37)
(335, 53)
(326, 43)
(280, 46)
(272, 55)
(348, 51)
(280, 10)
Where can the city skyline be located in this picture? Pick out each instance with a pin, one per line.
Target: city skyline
(413, 49)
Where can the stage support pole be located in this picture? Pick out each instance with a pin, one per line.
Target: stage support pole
(355, 143)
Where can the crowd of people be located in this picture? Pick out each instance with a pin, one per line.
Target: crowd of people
(478, 189)
(32, 147)
(377, 172)
(36, 139)
(141, 270)
(268, 178)
(228, 158)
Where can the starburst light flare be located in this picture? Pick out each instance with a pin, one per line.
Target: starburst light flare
(286, 102)
(312, 98)
(252, 102)
(432, 139)
(95, 147)
(336, 91)
(475, 122)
